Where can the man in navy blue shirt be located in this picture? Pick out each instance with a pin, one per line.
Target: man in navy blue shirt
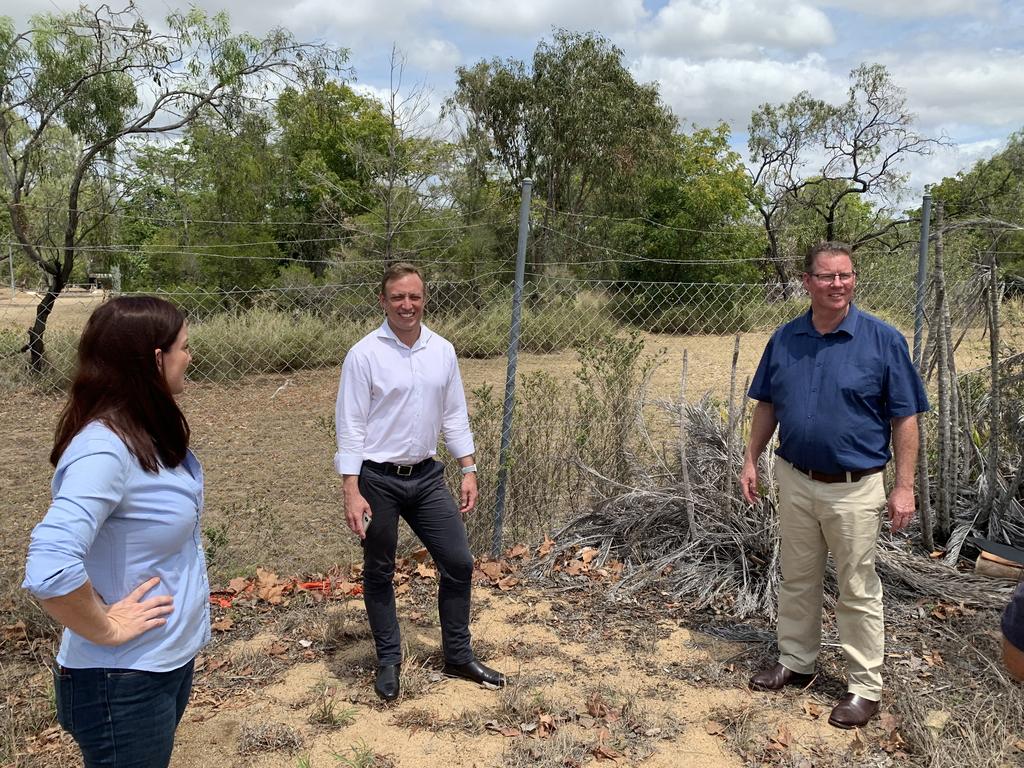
(839, 384)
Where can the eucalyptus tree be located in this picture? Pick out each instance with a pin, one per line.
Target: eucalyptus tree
(113, 82)
(991, 195)
(854, 148)
(575, 120)
(694, 223)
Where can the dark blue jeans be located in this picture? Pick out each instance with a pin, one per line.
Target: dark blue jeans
(122, 717)
(425, 503)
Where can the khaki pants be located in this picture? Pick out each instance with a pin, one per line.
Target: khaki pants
(844, 518)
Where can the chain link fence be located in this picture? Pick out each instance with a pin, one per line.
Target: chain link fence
(240, 333)
(595, 356)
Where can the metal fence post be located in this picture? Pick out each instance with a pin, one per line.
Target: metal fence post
(922, 276)
(510, 375)
(10, 262)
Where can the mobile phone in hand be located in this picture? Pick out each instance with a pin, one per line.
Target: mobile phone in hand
(366, 521)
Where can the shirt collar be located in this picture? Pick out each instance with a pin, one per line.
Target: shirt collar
(848, 325)
(385, 332)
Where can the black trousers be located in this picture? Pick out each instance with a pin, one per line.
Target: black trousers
(425, 503)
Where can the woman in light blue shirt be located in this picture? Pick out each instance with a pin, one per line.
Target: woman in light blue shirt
(118, 558)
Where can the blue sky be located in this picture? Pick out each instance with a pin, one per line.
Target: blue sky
(959, 61)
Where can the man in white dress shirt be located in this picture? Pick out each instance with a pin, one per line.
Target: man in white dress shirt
(400, 389)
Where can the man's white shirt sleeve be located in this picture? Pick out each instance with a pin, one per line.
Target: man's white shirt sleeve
(455, 418)
(351, 412)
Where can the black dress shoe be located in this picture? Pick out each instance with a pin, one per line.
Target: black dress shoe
(476, 672)
(853, 711)
(778, 677)
(386, 684)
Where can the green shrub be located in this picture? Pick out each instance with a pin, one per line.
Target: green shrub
(230, 346)
(61, 349)
(700, 320)
(768, 315)
(549, 327)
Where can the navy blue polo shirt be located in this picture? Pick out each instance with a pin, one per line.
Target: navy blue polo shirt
(835, 393)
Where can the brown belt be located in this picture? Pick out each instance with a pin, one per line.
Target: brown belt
(841, 477)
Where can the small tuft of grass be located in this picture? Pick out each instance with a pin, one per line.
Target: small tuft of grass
(342, 627)
(327, 712)
(361, 755)
(562, 749)
(414, 676)
(268, 737)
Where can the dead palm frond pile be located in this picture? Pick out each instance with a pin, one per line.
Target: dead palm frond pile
(699, 542)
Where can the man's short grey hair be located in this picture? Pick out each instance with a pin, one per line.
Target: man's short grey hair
(827, 246)
(400, 269)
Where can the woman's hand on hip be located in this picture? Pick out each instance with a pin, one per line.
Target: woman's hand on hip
(132, 616)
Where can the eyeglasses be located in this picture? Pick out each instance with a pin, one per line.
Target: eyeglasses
(826, 278)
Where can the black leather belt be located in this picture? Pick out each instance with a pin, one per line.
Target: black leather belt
(402, 470)
(851, 476)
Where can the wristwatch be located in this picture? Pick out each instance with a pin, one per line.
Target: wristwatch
(468, 469)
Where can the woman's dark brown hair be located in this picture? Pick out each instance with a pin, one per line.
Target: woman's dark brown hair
(117, 381)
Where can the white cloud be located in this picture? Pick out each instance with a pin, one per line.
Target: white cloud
(968, 88)
(732, 28)
(730, 89)
(354, 21)
(947, 161)
(537, 17)
(897, 9)
(434, 55)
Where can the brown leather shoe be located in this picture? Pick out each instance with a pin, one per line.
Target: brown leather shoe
(778, 677)
(853, 711)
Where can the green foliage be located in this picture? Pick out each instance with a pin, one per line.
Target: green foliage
(692, 216)
(992, 189)
(575, 121)
(78, 96)
(610, 383)
(485, 332)
(698, 319)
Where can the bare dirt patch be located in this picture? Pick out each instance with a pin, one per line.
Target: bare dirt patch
(70, 311)
(272, 499)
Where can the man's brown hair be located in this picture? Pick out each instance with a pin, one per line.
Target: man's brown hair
(401, 269)
(827, 246)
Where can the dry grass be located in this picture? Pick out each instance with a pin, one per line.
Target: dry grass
(564, 749)
(268, 737)
(359, 755)
(326, 711)
(272, 499)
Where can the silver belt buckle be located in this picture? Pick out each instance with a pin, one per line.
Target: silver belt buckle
(404, 470)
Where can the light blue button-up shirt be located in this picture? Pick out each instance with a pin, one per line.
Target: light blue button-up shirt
(116, 525)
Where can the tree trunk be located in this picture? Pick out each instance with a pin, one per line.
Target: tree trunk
(36, 346)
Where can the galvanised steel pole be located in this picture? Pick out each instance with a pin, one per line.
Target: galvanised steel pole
(510, 375)
(922, 276)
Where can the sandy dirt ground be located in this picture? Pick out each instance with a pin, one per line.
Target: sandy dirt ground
(70, 311)
(627, 685)
(588, 687)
